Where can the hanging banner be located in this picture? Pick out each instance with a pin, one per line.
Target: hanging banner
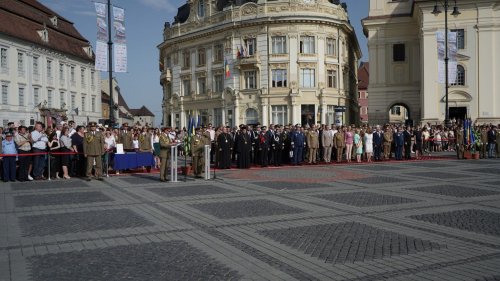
(119, 25)
(102, 29)
(120, 58)
(101, 56)
(452, 57)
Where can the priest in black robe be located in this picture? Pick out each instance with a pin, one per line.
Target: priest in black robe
(243, 147)
(225, 147)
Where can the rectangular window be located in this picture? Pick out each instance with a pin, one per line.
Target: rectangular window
(218, 117)
(5, 94)
(460, 38)
(250, 79)
(201, 57)
(49, 98)
(73, 101)
(201, 8)
(187, 58)
(396, 110)
(61, 72)
(279, 78)
(62, 99)
(72, 73)
(279, 45)
(49, 69)
(36, 70)
(218, 53)
(279, 114)
(93, 104)
(83, 103)
(186, 87)
(3, 58)
(20, 64)
(219, 83)
(82, 74)
(332, 78)
(331, 47)
(21, 96)
(307, 45)
(92, 78)
(250, 47)
(202, 85)
(307, 78)
(398, 52)
(36, 96)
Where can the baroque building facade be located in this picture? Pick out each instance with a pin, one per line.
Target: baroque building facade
(264, 62)
(46, 67)
(402, 45)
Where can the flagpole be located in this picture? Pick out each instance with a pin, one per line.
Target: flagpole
(110, 68)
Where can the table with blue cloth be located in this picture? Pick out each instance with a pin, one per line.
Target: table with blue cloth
(132, 160)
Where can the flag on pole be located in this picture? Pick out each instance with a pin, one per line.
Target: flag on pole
(226, 69)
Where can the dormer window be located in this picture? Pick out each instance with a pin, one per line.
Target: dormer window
(44, 35)
(53, 20)
(88, 50)
(201, 9)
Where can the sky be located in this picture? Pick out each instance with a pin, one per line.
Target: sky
(144, 21)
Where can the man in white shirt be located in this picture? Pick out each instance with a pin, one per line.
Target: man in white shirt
(39, 146)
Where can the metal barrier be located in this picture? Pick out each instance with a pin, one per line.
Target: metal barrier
(173, 163)
(207, 162)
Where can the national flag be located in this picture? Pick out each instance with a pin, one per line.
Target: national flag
(226, 69)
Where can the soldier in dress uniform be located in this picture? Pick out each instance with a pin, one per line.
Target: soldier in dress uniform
(388, 137)
(312, 144)
(277, 146)
(126, 137)
(327, 142)
(197, 152)
(339, 143)
(146, 143)
(165, 145)
(93, 149)
(459, 135)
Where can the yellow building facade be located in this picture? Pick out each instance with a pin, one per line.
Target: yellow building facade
(267, 62)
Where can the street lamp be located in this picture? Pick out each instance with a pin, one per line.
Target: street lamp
(436, 11)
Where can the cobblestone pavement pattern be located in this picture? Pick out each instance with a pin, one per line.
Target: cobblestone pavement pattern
(432, 220)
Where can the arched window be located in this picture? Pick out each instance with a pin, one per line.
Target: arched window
(252, 116)
(460, 76)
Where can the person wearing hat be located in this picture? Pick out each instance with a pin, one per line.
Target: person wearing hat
(298, 140)
(264, 146)
(165, 144)
(243, 146)
(197, 152)
(93, 149)
(9, 162)
(126, 137)
(23, 141)
(224, 149)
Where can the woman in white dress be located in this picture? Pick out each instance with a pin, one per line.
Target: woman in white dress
(368, 141)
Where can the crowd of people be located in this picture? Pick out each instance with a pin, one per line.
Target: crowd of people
(80, 151)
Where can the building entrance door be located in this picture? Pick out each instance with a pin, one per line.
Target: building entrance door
(308, 115)
(458, 113)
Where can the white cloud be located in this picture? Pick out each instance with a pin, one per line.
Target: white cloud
(159, 4)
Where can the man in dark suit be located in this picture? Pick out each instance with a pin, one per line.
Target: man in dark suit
(378, 138)
(264, 146)
(399, 142)
(492, 141)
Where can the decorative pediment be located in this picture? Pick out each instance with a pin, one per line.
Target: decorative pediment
(249, 8)
(462, 57)
(458, 96)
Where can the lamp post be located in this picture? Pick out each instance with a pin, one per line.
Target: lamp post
(436, 11)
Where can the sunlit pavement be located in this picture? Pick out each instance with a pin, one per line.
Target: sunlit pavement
(418, 220)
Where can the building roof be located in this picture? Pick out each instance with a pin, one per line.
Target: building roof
(23, 19)
(143, 111)
(363, 75)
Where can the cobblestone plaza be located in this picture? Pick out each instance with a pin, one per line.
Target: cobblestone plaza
(419, 220)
